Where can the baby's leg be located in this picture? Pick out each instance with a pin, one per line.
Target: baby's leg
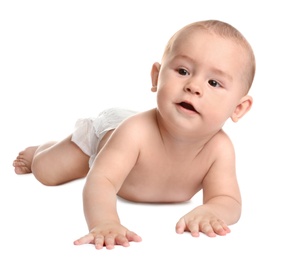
(54, 163)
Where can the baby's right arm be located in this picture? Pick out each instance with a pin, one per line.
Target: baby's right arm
(101, 216)
(106, 176)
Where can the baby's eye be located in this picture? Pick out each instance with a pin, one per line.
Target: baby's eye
(183, 72)
(214, 83)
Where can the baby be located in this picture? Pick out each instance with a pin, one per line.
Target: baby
(166, 154)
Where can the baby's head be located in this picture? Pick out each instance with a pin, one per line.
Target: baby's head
(207, 65)
(225, 31)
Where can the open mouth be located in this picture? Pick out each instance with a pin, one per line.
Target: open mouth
(188, 106)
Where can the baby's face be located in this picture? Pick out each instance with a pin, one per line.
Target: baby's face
(201, 81)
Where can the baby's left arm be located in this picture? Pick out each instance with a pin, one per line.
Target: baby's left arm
(221, 198)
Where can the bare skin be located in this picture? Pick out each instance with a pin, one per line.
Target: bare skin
(23, 162)
(168, 153)
(28, 159)
(141, 185)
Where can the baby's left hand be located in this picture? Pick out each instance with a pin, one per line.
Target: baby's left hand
(201, 220)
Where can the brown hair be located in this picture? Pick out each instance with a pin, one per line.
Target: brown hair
(224, 30)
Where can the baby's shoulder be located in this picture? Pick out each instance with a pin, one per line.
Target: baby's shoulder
(221, 143)
(142, 120)
(135, 131)
(140, 127)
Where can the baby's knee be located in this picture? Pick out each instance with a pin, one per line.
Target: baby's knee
(43, 172)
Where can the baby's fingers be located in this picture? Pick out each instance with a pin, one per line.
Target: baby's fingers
(98, 241)
(180, 226)
(209, 228)
(131, 236)
(206, 228)
(109, 240)
(85, 239)
(194, 227)
(214, 227)
(191, 227)
(220, 228)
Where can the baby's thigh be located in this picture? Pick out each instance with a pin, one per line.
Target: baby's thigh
(60, 163)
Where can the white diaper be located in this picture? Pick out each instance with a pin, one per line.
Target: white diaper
(89, 131)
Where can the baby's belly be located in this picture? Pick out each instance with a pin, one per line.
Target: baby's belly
(156, 193)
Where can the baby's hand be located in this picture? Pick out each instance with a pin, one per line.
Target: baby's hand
(108, 235)
(203, 221)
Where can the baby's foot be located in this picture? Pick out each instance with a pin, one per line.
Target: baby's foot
(24, 160)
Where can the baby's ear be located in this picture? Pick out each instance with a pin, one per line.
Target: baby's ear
(242, 108)
(155, 75)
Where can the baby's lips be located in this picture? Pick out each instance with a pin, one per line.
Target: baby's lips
(188, 106)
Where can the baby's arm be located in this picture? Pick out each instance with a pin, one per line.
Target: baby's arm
(104, 180)
(100, 212)
(221, 197)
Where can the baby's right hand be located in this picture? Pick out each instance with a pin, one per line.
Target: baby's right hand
(108, 235)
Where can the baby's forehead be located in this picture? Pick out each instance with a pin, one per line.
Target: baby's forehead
(236, 42)
(194, 34)
(184, 36)
(220, 32)
(189, 41)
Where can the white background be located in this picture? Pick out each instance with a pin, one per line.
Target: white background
(61, 60)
